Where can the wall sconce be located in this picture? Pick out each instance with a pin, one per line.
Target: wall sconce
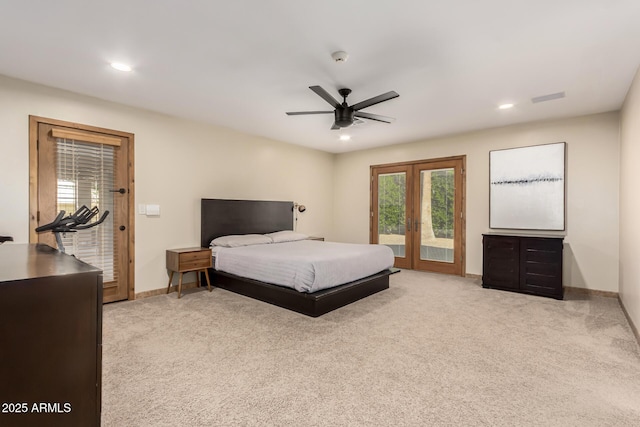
(297, 207)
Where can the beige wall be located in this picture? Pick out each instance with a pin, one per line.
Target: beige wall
(177, 162)
(630, 203)
(592, 235)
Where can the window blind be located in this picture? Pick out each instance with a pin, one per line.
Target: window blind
(86, 174)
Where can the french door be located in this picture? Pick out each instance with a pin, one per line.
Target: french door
(417, 209)
(75, 166)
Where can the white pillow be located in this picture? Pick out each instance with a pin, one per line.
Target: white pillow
(286, 236)
(236, 240)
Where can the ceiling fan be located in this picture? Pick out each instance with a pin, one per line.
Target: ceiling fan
(346, 115)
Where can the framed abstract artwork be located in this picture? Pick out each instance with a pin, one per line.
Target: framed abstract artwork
(527, 187)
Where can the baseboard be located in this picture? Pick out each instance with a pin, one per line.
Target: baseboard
(633, 326)
(473, 276)
(163, 291)
(593, 292)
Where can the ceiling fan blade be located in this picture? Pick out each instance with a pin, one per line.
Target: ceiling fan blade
(325, 95)
(375, 117)
(375, 100)
(335, 126)
(299, 113)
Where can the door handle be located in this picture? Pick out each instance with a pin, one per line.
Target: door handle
(119, 190)
(417, 226)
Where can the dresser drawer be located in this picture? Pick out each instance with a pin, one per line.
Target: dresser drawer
(541, 267)
(501, 262)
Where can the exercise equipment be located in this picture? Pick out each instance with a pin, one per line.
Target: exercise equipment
(79, 220)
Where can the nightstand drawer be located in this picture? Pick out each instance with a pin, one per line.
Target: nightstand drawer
(195, 264)
(188, 259)
(194, 260)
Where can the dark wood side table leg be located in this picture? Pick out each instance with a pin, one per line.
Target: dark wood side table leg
(180, 285)
(206, 274)
(197, 279)
(170, 279)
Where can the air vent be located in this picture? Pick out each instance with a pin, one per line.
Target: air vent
(549, 97)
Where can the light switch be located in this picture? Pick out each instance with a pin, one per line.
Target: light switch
(142, 209)
(153, 210)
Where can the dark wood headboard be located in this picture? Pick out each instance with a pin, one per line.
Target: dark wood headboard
(222, 217)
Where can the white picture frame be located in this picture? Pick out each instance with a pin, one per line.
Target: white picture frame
(527, 188)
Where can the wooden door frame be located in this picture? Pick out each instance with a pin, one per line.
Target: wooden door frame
(435, 266)
(34, 122)
(463, 200)
(407, 261)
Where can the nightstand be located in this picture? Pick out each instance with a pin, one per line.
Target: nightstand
(188, 259)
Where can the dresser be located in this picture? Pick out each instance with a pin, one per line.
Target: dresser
(50, 338)
(523, 263)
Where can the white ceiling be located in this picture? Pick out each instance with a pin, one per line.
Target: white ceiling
(243, 64)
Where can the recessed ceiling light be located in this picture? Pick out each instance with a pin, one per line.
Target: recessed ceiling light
(120, 66)
(505, 106)
(345, 137)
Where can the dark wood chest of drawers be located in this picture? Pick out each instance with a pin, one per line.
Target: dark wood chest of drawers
(527, 264)
(50, 338)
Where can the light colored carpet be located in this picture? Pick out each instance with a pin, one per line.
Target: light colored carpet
(431, 350)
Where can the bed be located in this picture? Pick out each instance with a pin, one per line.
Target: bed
(222, 217)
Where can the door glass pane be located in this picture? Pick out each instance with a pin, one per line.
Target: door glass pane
(392, 198)
(437, 195)
(85, 174)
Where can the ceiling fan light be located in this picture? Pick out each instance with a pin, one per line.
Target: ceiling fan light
(344, 116)
(345, 137)
(505, 106)
(120, 66)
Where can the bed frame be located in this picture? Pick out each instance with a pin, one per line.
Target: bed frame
(221, 217)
